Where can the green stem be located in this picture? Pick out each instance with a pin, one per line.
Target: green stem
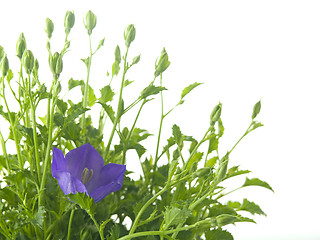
(245, 134)
(161, 233)
(86, 88)
(97, 226)
(3, 145)
(49, 143)
(70, 221)
(34, 125)
(119, 110)
(136, 221)
(160, 128)
(12, 128)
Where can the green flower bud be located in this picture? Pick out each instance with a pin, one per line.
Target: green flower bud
(28, 61)
(256, 110)
(225, 219)
(129, 34)
(203, 172)
(117, 54)
(49, 27)
(21, 45)
(55, 63)
(4, 66)
(36, 65)
(91, 21)
(215, 114)
(135, 60)
(1, 53)
(162, 64)
(223, 167)
(69, 20)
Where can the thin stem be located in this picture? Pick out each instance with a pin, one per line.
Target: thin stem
(86, 88)
(247, 131)
(34, 126)
(136, 221)
(160, 128)
(12, 128)
(70, 222)
(119, 110)
(97, 226)
(3, 145)
(161, 233)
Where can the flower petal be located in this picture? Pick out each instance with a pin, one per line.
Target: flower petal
(68, 183)
(58, 162)
(82, 157)
(109, 174)
(101, 192)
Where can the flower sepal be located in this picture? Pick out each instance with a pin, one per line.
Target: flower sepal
(83, 200)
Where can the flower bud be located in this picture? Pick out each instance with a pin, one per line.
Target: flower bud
(256, 110)
(223, 167)
(55, 63)
(129, 34)
(162, 64)
(215, 114)
(36, 65)
(4, 66)
(69, 20)
(28, 61)
(203, 172)
(91, 21)
(225, 219)
(2, 53)
(21, 45)
(117, 54)
(135, 60)
(49, 27)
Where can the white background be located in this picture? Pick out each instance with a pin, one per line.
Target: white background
(242, 51)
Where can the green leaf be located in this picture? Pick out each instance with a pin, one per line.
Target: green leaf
(74, 83)
(212, 162)
(256, 182)
(127, 82)
(92, 97)
(234, 171)
(251, 207)
(9, 75)
(71, 131)
(218, 234)
(58, 119)
(75, 111)
(109, 111)
(174, 216)
(188, 89)
(83, 200)
(151, 90)
(106, 94)
(62, 106)
(115, 68)
(177, 135)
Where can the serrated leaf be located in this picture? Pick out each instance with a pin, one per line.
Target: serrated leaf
(218, 234)
(257, 182)
(194, 160)
(109, 111)
(234, 171)
(9, 75)
(106, 94)
(83, 200)
(175, 216)
(251, 207)
(127, 82)
(177, 135)
(212, 162)
(74, 83)
(62, 106)
(75, 111)
(188, 89)
(92, 97)
(151, 90)
(115, 68)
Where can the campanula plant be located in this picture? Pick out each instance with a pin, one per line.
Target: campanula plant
(67, 177)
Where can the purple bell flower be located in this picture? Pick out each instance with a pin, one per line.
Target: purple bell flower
(83, 170)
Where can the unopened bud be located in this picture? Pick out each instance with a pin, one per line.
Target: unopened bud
(256, 110)
(117, 54)
(4, 66)
(215, 114)
(49, 27)
(28, 61)
(69, 20)
(203, 172)
(135, 60)
(21, 45)
(129, 34)
(162, 64)
(55, 62)
(225, 219)
(223, 167)
(36, 65)
(91, 21)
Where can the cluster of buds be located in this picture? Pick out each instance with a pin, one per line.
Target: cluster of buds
(162, 63)
(129, 34)
(90, 22)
